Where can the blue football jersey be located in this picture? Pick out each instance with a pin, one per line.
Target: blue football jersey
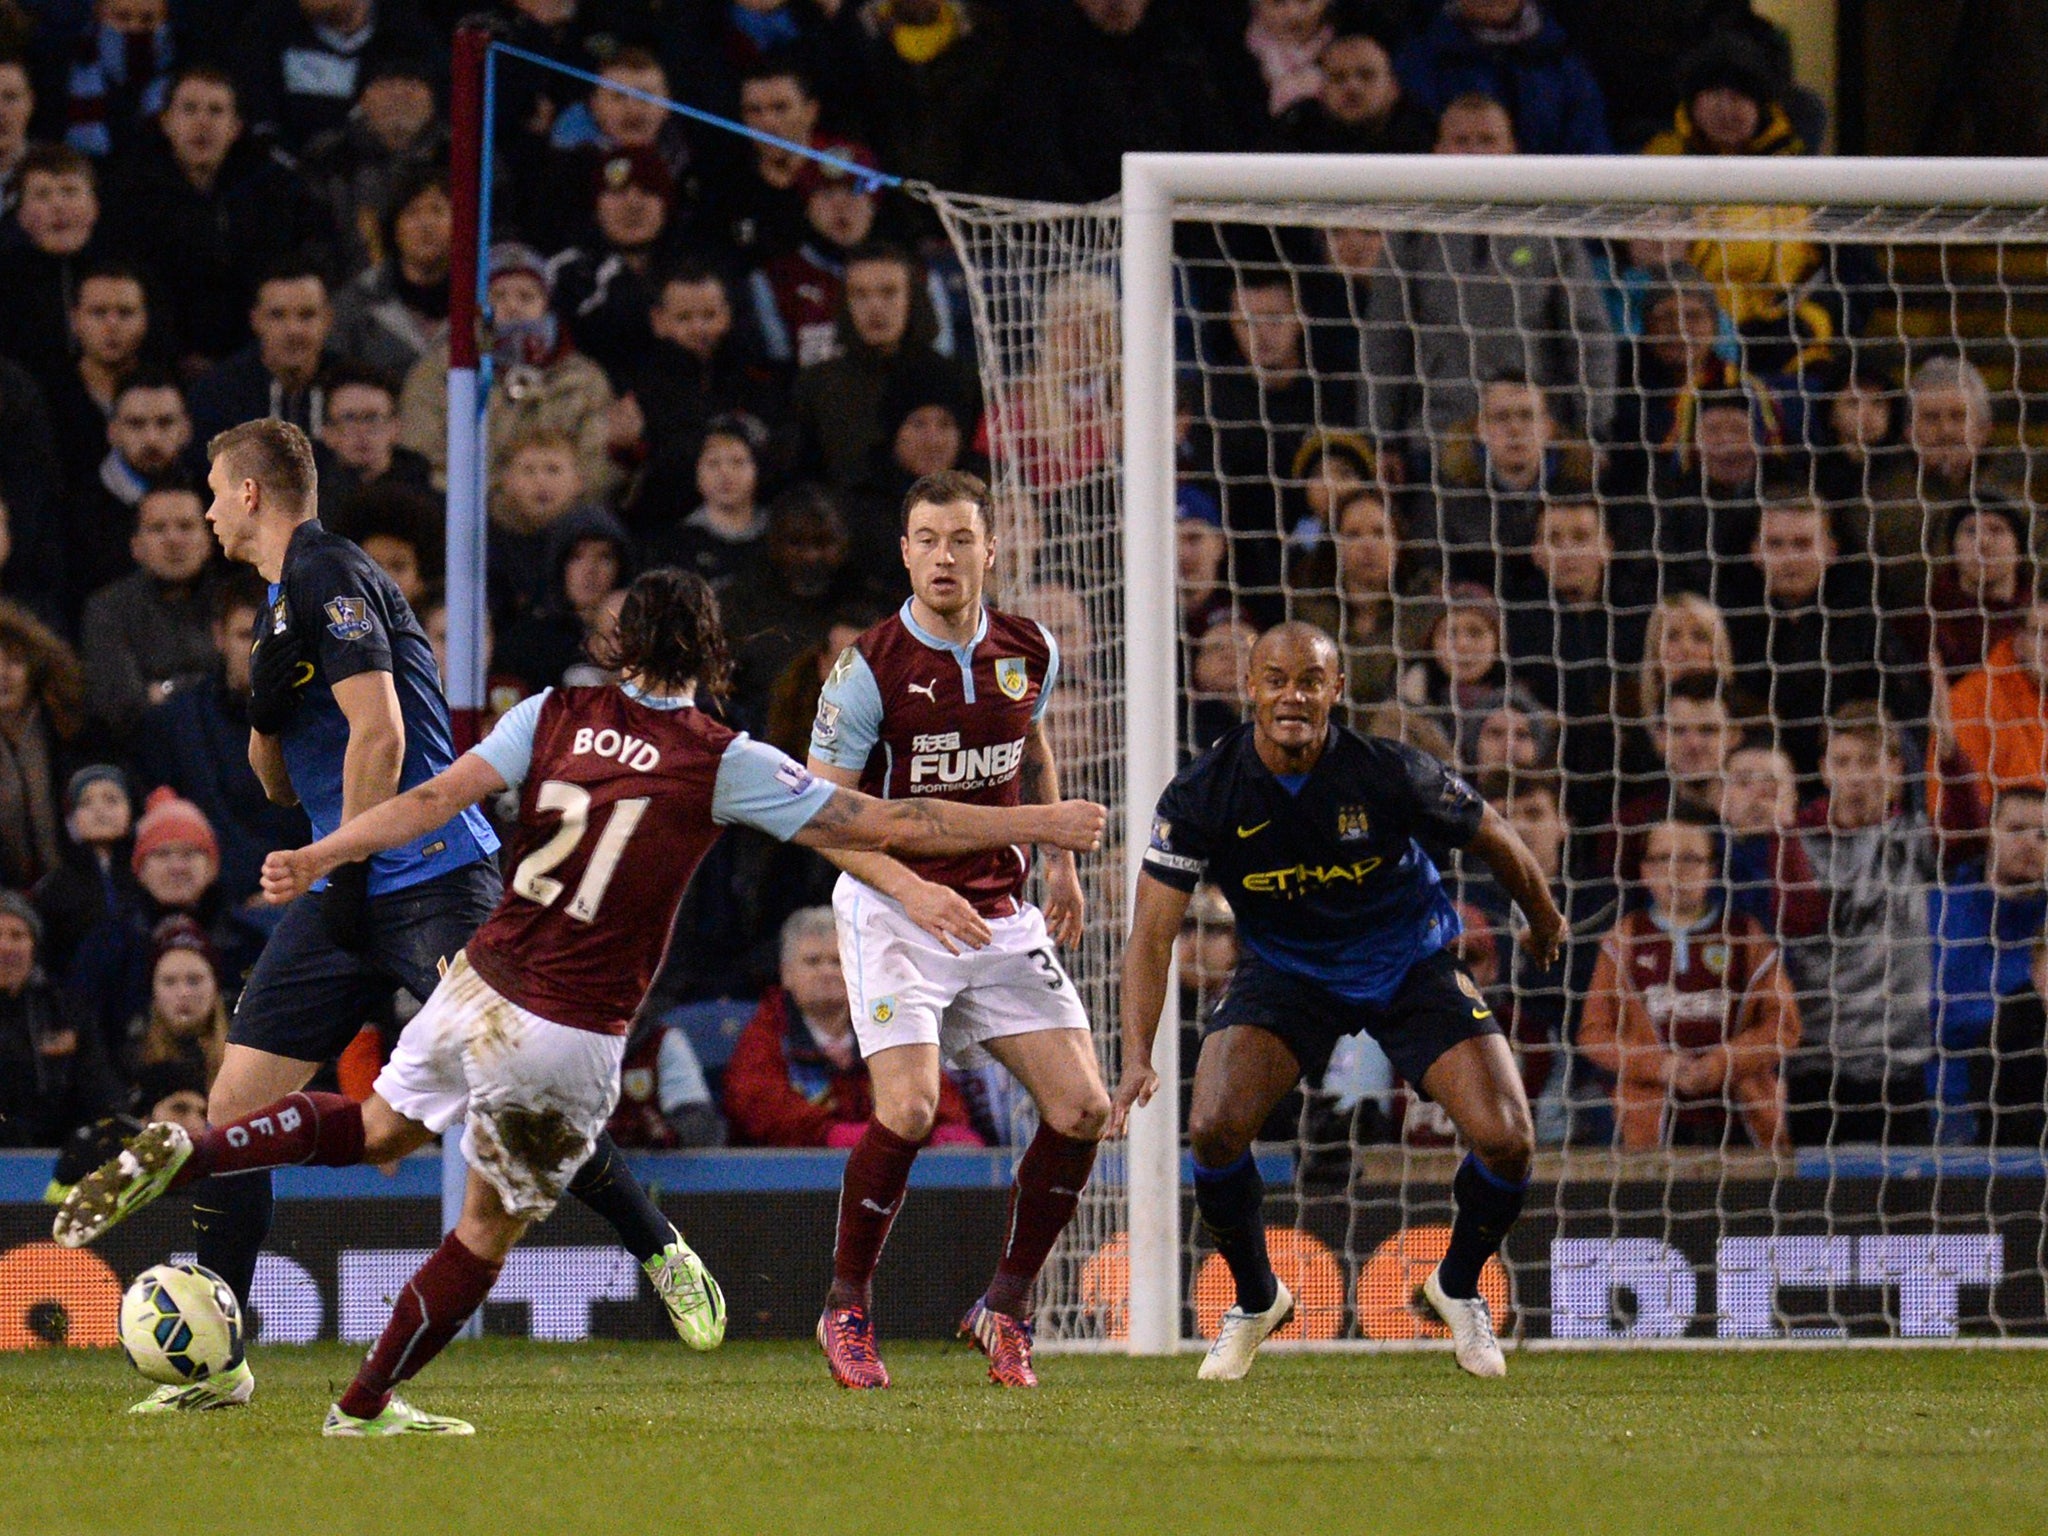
(1334, 879)
(351, 618)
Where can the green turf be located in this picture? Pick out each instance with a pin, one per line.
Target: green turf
(754, 1439)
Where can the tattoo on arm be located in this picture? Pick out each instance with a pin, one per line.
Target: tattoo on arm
(853, 822)
(835, 814)
(918, 816)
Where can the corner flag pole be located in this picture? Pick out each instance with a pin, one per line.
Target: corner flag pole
(465, 517)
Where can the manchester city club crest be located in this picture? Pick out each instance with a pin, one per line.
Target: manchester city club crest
(884, 1009)
(348, 618)
(1011, 677)
(1353, 825)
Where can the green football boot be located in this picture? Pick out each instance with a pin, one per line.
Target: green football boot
(398, 1418)
(695, 1303)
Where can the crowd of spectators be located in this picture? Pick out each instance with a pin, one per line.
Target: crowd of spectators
(1777, 722)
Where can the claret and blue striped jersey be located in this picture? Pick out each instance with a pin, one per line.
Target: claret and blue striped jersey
(1332, 874)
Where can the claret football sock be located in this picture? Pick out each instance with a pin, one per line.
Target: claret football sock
(870, 1195)
(321, 1128)
(1050, 1176)
(430, 1311)
(1487, 1207)
(1230, 1201)
(607, 1186)
(230, 1219)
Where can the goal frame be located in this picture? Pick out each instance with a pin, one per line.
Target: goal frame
(1155, 187)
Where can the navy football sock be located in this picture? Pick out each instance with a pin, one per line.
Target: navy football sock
(1487, 1207)
(607, 1186)
(1229, 1200)
(230, 1220)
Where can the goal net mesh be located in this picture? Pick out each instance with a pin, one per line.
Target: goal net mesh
(1702, 541)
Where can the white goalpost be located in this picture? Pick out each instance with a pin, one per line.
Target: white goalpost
(1683, 1244)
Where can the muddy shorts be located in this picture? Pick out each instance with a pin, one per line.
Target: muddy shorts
(307, 996)
(533, 1095)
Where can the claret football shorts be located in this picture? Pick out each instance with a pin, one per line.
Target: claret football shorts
(533, 1095)
(906, 988)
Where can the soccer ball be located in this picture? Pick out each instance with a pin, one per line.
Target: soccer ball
(180, 1323)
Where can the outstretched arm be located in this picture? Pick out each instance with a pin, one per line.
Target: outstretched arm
(938, 828)
(389, 824)
(1515, 867)
(940, 911)
(1148, 961)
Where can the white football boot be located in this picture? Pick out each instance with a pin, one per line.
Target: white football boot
(1241, 1335)
(1471, 1325)
(398, 1418)
(230, 1389)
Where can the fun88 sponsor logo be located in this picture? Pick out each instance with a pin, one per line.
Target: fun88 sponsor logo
(938, 761)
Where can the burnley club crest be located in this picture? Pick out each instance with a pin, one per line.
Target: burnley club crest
(1011, 677)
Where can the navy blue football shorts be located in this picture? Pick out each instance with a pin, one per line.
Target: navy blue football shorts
(307, 996)
(1437, 1006)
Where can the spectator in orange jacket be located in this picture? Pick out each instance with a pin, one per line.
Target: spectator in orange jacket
(1999, 713)
(796, 1078)
(1690, 1010)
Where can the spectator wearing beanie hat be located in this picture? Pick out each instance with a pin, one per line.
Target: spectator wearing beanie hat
(176, 860)
(795, 293)
(95, 881)
(174, 1046)
(605, 288)
(540, 381)
(1730, 104)
(928, 415)
(176, 857)
(1980, 594)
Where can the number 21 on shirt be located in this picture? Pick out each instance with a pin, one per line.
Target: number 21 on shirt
(532, 880)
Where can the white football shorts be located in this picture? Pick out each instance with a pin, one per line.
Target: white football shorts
(534, 1095)
(906, 988)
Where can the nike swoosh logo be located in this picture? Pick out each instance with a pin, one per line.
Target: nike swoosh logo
(1482, 1013)
(1252, 831)
(879, 1210)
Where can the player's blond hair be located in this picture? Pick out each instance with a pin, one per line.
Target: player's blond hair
(276, 455)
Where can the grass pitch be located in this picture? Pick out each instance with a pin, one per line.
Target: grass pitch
(596, 1439)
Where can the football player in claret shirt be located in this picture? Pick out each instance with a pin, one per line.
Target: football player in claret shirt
(623, 790)
(943, 702)
(1326, 845)
(345, 711)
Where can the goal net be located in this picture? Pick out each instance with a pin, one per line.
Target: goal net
(1688, 510)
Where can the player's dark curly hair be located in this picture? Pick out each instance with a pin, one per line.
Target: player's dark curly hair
(669, 633)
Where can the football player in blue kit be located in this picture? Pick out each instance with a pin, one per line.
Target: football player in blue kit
(1327, 845)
